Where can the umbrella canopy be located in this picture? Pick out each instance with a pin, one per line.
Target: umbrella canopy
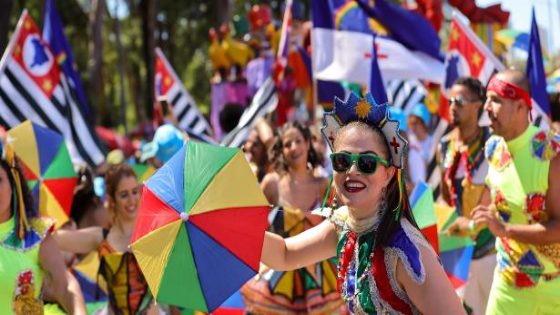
(200, 228)
(47, 168)
(422, 201)
(455, 251)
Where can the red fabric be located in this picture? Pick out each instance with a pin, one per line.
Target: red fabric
(476, 14)
(224, 225)
(62, 189)
(381, 278)
(432, 10)
(114, 140)
(431, 233)
(509, 91)
(153, 214)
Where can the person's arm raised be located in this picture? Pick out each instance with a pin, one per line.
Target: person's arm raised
(314, 245)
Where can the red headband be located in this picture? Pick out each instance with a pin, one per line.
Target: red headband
(509, 91)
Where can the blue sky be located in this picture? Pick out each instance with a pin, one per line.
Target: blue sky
(520, 16)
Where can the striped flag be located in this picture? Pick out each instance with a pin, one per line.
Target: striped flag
(264, 102)
(405, 94)
(32, 86)
(168, 85)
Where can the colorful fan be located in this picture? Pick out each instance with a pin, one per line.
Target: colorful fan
(455, 252)
(422, 201)
(47, 168)
(200, 228)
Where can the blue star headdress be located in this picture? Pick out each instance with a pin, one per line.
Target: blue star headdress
(368, 111)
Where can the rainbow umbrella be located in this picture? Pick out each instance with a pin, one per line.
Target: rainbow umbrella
(455, 252)
(422, 201)
(94, 288)
(200, 228)
(47, 167)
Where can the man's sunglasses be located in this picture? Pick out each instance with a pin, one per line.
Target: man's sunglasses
(366, 162)
(459, 101)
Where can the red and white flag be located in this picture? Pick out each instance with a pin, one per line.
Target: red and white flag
(33, 87)
(168, 84)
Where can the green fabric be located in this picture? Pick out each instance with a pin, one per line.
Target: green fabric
(12, 264)
(506, 299)
(202, 163)
(423, 210)
(61, 166)
(186, 288)
(525, 174)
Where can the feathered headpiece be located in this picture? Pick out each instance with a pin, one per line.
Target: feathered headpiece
(368, 111)
(377, 115)
(22, 225)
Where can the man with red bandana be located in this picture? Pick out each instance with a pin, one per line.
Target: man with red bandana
(524, 182)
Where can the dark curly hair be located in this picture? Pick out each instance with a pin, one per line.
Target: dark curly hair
(276, 155)
(31, 210)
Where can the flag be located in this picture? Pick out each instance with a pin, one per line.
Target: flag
(343, 55)
(535, 70)
(168, 84)
(264, 102)
(53, 34)
(467, 56)
(407, 45)
(405, 94)
(32, 86)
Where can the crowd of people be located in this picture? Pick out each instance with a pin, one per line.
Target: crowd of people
(348, 245)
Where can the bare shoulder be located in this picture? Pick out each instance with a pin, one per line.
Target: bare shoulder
(323, 184)
(269, 186)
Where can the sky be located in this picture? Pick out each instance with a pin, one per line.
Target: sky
(520, 16)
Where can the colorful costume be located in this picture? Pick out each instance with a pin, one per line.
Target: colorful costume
(528, 276)
(20, 273)
(309, 290)
(465, 169)
(128, 289)
(367, 277)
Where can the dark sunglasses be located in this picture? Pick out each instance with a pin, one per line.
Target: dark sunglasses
(459, 101)
(366, 162)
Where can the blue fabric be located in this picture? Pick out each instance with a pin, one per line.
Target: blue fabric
(220, 273)
(167, 182)
(53, 34)
(322, 14)
(401, 241)
(407, 27)
(48, 144)
(376, 86)
(535, 68)
(457, 262)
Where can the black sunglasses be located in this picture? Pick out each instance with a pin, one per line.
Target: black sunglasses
(459, 101)
(366, 162)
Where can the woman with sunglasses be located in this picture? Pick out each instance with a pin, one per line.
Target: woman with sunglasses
(28, 253)
(127, 288)
(385, 265)
(295, 191)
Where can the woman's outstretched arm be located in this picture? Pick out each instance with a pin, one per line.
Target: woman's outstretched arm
(316, 244)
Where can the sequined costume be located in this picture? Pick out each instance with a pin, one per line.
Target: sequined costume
(20, 273)
(128, 289)
(528, 276)
(309, 290)
(367, 277)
